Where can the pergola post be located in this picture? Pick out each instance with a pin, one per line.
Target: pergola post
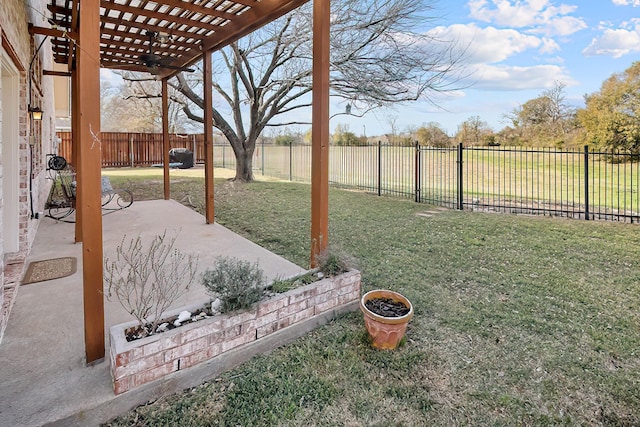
(89, 188)
(320, 131)
(75, 147)
(208, 137)
(165, 138)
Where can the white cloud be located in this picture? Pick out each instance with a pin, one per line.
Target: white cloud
(634, 3)
(536, 16)
(549, 45)
(108, 76)
(615, 43)
(508, 78)
(490, 44)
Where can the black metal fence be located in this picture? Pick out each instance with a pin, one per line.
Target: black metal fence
(570, 183)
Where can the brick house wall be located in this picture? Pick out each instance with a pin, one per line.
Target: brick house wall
(18, 54)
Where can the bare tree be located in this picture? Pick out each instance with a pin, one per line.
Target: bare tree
(544, 120)
(136, 107)
(471, 131)
(378, 58)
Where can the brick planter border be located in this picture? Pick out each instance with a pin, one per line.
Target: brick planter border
(141, 361)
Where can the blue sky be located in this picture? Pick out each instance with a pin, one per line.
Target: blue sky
(517, 50)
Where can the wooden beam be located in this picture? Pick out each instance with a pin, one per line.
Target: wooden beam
(89, 188)
(52, 32)
(56, 73)
(165, 138)
(73, 26)
(75, 149)
(259, 15)
(208, 136)
(320, 131)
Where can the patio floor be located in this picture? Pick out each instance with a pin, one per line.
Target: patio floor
(43, 378)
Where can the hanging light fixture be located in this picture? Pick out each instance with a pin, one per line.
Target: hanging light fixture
(36, 113)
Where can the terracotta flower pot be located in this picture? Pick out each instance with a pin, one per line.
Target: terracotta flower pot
(385, 332)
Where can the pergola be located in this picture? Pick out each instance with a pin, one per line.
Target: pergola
(90, 34)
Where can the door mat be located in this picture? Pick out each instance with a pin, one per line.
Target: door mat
(39, 271)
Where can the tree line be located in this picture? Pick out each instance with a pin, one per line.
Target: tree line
(610, 120)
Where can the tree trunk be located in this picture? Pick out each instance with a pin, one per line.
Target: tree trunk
(244, 165)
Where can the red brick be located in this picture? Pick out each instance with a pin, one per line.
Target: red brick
(326, 306)
(238, 319)
(301, 315)
(347, 289)
(236, 342)
(266, 319)
(197, 357)
(301, 294)
(215, 338)
(201, 330)
(232, 332)
(139, 365)
(348, 298)
(216, 349)
(293, 308)
(266, 329)
(185, 349)
(128, 356)
(319, 299)
(283, 323)
(272, 304)
(121, 385)
(153, 374)
(161, 344)
(324, 286)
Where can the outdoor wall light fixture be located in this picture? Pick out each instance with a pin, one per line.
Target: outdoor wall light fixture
(36, 113)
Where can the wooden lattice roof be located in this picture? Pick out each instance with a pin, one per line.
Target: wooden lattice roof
(179, 30)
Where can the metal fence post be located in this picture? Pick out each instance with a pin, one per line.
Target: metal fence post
(262, 141)
(586, 183)
(460, 176)
(379, 168)
(417, 173)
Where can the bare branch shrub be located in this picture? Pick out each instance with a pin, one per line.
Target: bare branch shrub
(238, 284)
(147, 280)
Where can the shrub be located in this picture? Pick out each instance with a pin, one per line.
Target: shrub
(333, 262)
(237, 283)
(147, 280)
(284, 285)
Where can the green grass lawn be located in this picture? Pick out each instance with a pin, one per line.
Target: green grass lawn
(519, 320)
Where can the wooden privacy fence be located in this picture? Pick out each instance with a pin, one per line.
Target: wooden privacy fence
(136, 149)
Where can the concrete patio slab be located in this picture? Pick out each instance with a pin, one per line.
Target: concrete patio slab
(43, 377)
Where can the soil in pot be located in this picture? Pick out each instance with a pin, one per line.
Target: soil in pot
(386, 307)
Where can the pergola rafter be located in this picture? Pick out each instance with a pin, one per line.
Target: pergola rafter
(190, 28)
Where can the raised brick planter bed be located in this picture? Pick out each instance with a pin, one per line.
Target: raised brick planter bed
(141, 361)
